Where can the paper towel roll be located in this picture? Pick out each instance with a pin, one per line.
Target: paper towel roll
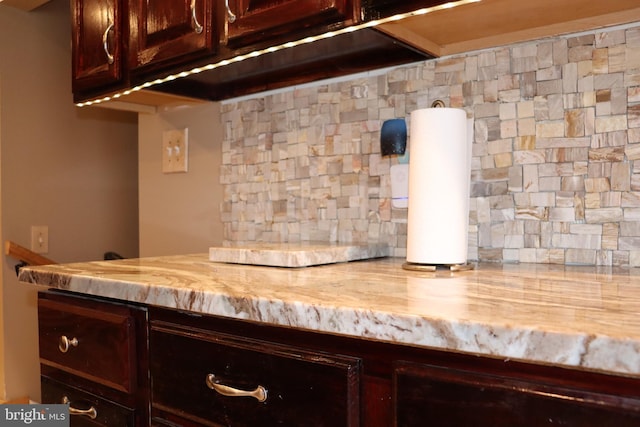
(439, 181)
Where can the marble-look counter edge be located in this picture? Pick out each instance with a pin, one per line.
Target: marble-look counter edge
(315, 299)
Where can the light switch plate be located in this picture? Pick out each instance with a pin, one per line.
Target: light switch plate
(40, 239)
(175, 151)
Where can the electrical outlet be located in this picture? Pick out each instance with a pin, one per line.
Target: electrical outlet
(175, 151)
(40, 239)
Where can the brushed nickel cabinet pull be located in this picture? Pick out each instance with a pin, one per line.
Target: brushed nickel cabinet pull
(105, 43)
(196, 25)
(64, 343)
(230, 15)
(260, 393)
(91, 412)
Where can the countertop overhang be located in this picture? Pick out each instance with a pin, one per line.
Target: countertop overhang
(578, 317)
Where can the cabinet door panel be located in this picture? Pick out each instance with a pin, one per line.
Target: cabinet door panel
(97, 35)
(301, 388)
(93, 343)
(259, 19)
(163, 32)
(441, 397)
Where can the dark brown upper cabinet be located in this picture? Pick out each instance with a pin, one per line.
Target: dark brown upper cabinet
(97, 44)
(165, 32)
(251, 21)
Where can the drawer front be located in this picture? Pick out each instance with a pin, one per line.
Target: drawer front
(301, 388)
(442, 397)
(94, 410)
(96, 342)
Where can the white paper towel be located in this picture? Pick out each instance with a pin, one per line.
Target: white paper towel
(439, 181)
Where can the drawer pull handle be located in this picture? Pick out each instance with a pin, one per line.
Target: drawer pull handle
(197, 27)
(105, 44)
(65, 343)
(260, 393)
(91, 412)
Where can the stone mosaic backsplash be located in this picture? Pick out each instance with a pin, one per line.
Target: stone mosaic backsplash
(556, 154)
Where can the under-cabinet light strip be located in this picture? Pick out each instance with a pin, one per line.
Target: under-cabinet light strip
(276, 48)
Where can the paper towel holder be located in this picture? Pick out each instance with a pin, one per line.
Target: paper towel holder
(452, 259)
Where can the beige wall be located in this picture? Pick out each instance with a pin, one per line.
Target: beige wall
(180, 212)
(74, 170)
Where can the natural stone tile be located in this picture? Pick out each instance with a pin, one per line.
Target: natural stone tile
(580, 53)
(620, 176)
(633, 115)
(574, 123)
(507, 111)
(608, 81)
(570, 77)
(607, 154)
(544, 54)
(522, 157)
(603, 215)
(609, 38)
(597, 185)
(610, 123)
(580, 257)
(617, 59)
(560, 52)
(549, 87)
(527, 127)
(562, 214)
(550, 73)
(526, 109)
(550, 130)
(601, 61)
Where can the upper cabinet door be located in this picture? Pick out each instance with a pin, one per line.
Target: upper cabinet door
(163, 32)
(97, 40)
(251, 21)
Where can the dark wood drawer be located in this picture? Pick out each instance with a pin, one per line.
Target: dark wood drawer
(95, 410)
(302, 388)
(91, 339)
(444, 397)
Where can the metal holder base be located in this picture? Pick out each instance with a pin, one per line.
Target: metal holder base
(412, 266)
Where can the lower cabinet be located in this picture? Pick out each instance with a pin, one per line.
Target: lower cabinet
(126, 365)
(93, 357)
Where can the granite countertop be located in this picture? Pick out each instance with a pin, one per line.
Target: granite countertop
(582, 317)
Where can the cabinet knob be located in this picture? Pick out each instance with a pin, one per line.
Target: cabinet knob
(91, 412)
(196, 25)
(260, 393)
(64, 343)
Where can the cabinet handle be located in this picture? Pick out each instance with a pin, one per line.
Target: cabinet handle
(231, 17)
(196, 25)
(260, 393)
(64, 343)
(91, 412)
(105, 43)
